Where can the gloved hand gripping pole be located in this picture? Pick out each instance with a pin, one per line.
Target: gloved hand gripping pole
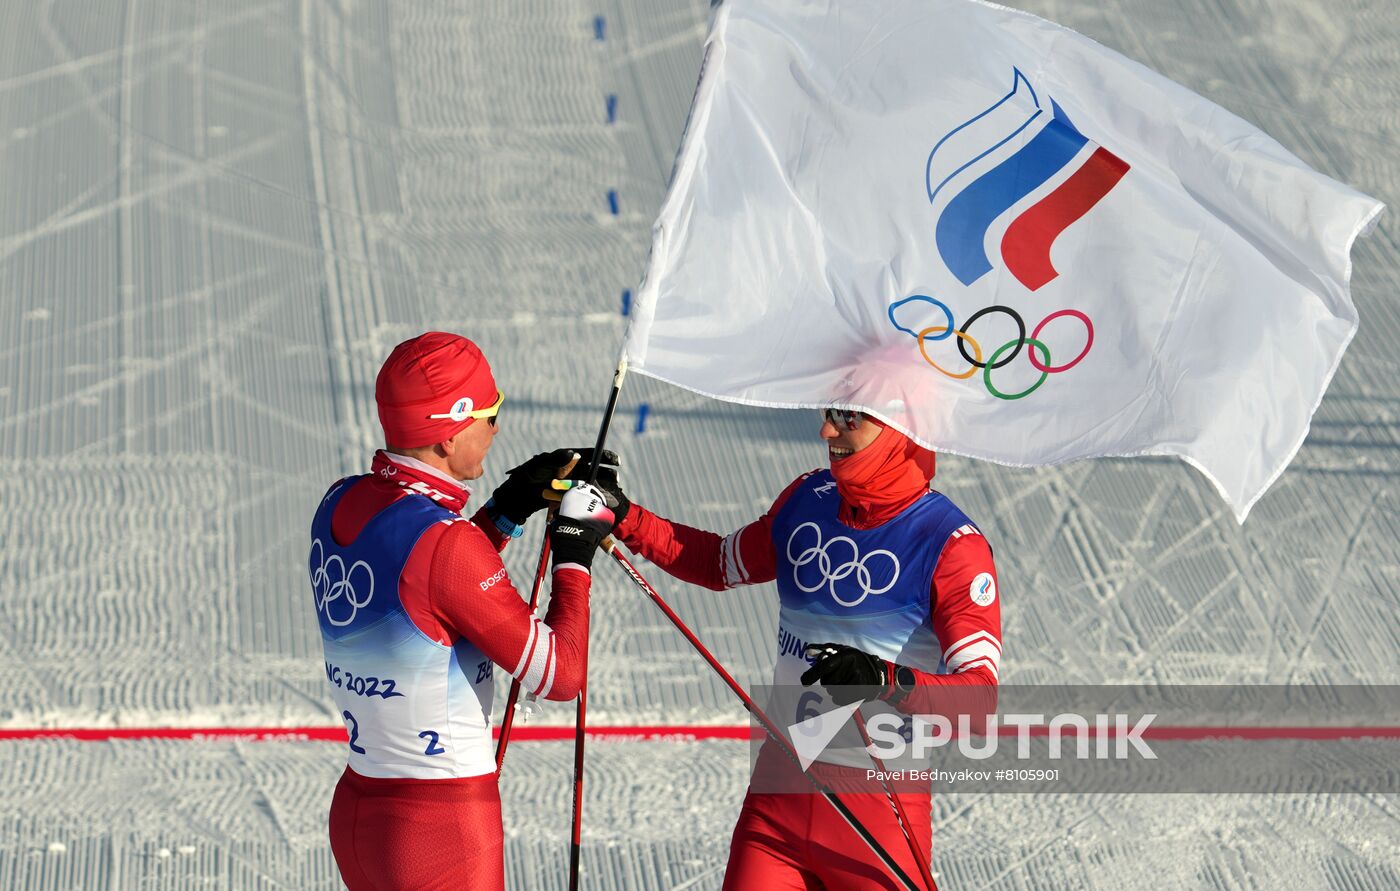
(508, 719)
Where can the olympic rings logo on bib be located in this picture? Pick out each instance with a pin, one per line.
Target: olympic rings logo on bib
(855, 567)
(332, 583)
(1036, 351)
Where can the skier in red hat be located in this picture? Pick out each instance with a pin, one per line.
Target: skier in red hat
(415, 609)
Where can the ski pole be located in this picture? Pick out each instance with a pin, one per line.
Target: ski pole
(575, 846)
(772, 729)
(905, 824)
(508, 719)
(575, 839)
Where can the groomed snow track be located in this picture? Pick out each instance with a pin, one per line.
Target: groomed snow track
(217, 217)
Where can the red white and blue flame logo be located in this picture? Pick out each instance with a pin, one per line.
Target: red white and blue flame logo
(976, 175)
(1049, 142)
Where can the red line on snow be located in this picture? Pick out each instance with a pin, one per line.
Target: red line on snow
(336, 733)
(648, 732)
(1168, 732)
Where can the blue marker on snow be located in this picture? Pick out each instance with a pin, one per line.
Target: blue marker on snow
(642, 411)
(612, 108)
(612, 201)
(626, 301)
(600, 26)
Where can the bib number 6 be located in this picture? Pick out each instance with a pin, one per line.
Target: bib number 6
(809, 706)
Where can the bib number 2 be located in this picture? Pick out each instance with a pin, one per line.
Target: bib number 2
(354, 728)
(432, 737)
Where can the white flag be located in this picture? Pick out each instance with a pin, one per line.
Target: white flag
(1002, 237)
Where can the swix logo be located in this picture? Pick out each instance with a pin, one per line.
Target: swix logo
(487, 583)
(986, 165)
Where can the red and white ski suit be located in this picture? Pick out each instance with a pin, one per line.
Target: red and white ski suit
(412, 833)
(796, 840)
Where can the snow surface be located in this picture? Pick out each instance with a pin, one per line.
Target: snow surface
(215, 220)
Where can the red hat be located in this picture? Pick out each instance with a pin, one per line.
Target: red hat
(433, 374)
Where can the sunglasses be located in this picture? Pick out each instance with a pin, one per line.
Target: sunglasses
(843, 419)
(462, 410)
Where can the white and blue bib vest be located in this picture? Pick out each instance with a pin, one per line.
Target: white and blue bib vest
(412, 707)
(865, 588)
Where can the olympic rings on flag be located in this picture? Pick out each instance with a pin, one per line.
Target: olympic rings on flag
(1020, 335)
(1056, 369)
(962, 335)
(991, 363)
(920, 298)
(1003, 355)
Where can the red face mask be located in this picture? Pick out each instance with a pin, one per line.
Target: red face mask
(884, 477)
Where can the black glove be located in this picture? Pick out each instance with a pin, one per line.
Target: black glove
(848, 674)
(523, 491)
(584, 520)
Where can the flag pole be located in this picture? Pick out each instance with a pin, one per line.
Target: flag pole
(575, 846)
(611, 407)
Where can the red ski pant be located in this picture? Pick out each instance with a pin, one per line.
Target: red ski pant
(796, 840)
(417, 835)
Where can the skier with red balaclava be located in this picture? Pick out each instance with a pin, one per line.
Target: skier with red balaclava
(883, 583)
